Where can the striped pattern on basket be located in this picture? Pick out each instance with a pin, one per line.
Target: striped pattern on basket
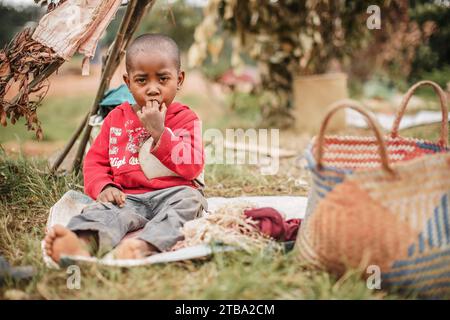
(427, 270)
(362, 152)
(344, 154)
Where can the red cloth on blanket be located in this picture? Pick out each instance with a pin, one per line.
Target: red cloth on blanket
(271, 223)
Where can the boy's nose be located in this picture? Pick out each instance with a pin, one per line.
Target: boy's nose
(152, 91)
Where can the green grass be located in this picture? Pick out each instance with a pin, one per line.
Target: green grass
(27, 192)
(60, 116)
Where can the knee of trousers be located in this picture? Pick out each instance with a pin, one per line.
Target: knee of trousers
(192, 199)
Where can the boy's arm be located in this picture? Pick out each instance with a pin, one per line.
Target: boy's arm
(181, 150)
(96, 167)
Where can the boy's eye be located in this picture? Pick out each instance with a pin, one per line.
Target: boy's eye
(140, 81)
(163, 79)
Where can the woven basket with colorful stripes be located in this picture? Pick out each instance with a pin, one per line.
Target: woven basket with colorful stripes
(381, 201)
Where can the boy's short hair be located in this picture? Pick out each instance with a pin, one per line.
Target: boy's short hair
(153, 41)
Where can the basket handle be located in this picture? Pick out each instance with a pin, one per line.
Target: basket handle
(443, 140)
(352, 104)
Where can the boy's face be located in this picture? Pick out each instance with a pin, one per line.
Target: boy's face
(153, 76)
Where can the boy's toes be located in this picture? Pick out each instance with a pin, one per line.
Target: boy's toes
(50, 233)
(48, 244)
(136, 253)
(49, 252)
(48, 240)
(129, 249)
(61, 241)
(48, 249)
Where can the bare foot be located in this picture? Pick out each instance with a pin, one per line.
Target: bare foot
(61, 241)
(133, 248)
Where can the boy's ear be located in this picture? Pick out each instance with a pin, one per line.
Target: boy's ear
(126, 79)
(180, 79)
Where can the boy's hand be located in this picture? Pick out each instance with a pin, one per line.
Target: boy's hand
(113, 195)
(152, 117)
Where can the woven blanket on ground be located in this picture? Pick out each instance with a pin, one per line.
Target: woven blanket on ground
(72, 203)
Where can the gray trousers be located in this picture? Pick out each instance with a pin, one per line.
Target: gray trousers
(160, 213)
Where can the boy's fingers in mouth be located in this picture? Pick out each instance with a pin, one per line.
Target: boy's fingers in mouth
(153, 104)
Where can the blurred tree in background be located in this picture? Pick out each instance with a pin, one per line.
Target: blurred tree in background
(432, 60)
(289, 37)
(176, 19)
(13, 20)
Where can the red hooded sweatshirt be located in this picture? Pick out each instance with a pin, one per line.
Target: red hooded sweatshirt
(113, 157)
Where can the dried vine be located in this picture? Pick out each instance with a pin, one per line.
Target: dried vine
(22, 61)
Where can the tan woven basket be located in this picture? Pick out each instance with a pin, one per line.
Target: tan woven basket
(381, 201)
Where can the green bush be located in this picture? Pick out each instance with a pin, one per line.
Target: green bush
(432, 60)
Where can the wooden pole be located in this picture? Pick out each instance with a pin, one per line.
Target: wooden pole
(69, 145)
(135, 11)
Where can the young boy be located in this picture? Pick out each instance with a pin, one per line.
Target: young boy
(126, 199)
